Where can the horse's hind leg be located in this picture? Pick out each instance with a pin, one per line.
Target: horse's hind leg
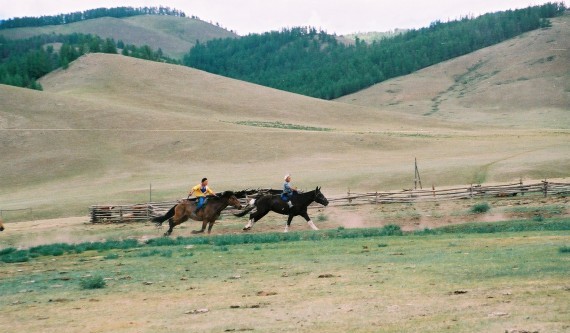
(254, 217)
(289, 219)
(170, 227)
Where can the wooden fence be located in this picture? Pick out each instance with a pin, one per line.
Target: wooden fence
(143, 212)
(474, 191)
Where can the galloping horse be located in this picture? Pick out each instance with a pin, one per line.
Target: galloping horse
(1, 224)
(208, 214)
(274, 203)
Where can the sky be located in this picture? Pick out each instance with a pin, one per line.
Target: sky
(257, 16)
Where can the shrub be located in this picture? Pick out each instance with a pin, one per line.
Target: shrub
(538, 218)
(392, 230)
(111, 256)
(149, 253)
(7, 251)
(222, 248)
(95, 282)
(564, 249)
(15, 256)
(56, 249)
(480, 208)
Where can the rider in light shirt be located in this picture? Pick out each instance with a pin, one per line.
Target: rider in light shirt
(288, 190)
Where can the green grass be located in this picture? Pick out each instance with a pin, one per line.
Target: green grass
(222, 242)
(543, 210)
(367, 270)
(94, 282)
(155, 252)
(111, 256)
(480, 208)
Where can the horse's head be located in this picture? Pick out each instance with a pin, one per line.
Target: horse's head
(1, 225)
(232, 199)
(320, 198)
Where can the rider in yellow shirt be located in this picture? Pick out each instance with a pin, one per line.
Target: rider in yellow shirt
(201, 191)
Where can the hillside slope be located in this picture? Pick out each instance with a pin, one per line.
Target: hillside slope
(174, 35)
(109, 126)
(520, 83)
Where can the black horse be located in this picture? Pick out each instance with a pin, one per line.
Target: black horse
(269, 202)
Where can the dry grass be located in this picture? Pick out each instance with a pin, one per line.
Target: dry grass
(521, 83)
(110, 126)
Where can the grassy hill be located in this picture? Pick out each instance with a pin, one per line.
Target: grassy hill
(109, 127)
(174, 35)
(521, 83)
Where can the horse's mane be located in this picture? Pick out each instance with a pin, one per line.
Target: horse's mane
(225, 195)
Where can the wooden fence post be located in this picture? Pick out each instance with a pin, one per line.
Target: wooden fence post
(545, 188)
(349, 199)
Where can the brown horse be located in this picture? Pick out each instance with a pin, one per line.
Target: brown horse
(1, 224)
(208, 214)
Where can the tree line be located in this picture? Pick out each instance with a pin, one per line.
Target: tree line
(24, 61)
(310, 62)
(118, 12)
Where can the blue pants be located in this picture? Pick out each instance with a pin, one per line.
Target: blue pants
(200, 202)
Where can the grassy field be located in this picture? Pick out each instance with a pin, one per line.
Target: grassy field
(109, 128)
(330, 281)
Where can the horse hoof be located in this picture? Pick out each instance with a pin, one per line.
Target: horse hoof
(246, 228)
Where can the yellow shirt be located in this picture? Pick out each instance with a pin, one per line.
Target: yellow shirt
(197, 192)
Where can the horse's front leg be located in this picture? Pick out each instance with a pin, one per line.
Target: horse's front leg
(210, 225)
(309, 221)
(204, 223)
(249, 224)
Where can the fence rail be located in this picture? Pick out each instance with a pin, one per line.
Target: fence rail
(143, 212)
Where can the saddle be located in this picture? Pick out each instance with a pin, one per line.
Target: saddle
(285, 197)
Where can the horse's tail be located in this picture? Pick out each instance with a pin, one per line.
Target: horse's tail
(159, 219)
(249, 208)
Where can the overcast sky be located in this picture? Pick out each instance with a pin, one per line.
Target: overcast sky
(256, 16)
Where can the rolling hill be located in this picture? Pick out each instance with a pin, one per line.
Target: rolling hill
(174, 35)
(521, 83)
(110, 127)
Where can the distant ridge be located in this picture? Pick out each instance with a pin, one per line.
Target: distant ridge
(174, 35)
(116, 12)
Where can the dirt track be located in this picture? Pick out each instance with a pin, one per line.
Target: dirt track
(415, 216)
